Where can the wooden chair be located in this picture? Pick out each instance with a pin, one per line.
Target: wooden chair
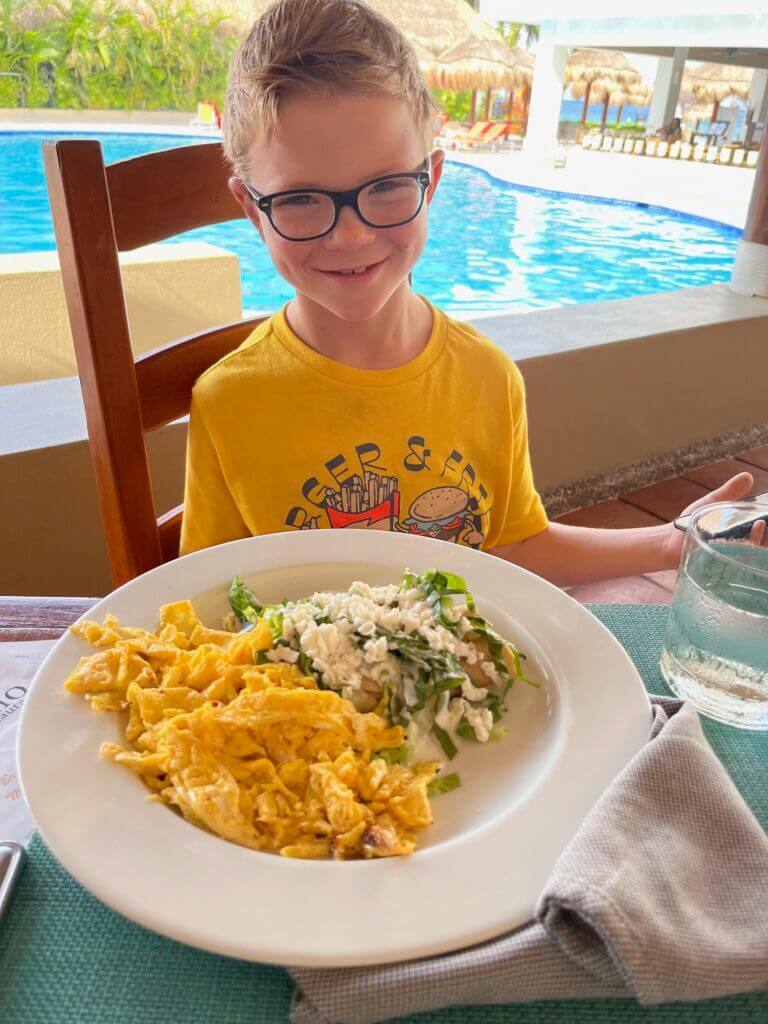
(99, 211)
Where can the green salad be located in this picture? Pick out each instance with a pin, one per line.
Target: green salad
(418, 652)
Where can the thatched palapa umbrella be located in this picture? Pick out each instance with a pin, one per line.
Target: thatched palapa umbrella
(612, 95)
(457, 49)
(712, 83)
(609, 68)
(431, 26)
(482, 64)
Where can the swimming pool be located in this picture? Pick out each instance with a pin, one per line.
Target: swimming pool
(492, 246)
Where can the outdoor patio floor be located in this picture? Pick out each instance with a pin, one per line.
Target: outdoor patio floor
(659, 503)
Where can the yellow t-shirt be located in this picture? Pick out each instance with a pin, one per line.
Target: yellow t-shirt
(283, 438)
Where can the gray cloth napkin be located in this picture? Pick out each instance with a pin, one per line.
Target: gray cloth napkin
(661, 895)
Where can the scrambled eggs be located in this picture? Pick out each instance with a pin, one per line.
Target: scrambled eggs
(254, 752)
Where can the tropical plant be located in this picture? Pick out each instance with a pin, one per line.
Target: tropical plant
(512, 30)
(455, 104)
(153, 55)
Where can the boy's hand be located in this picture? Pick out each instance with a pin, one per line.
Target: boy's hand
(732, 490)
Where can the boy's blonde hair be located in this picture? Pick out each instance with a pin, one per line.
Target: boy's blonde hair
(327, 46)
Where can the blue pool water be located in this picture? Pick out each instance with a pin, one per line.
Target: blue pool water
(492, 246)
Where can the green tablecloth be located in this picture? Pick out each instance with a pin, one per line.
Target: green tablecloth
(64, 957)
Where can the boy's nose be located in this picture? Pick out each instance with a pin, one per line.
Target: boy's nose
(350, 232)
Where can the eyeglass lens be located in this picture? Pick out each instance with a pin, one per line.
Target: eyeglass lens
(382, 204)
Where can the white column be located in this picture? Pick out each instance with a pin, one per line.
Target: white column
(666, 89)
(758, 95)
(546, 96)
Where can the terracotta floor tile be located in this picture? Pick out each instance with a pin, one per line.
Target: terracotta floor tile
(628, 590)
(756, 457)
(667, 498)
(718, 472)
(610, 514)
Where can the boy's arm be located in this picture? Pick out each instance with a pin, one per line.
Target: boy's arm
(567, 555)
(211, 515)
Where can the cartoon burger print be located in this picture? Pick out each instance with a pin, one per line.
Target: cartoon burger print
(443, 513)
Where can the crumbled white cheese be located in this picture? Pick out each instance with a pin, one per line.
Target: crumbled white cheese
(472, 692)
(283, 654)
(490, 670)
(481, 721)
(364, 611)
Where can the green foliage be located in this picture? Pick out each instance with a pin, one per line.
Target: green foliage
(625, 126)
(455, 104)
(512, 30)
(98, 54)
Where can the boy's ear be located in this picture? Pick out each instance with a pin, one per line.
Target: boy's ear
(239, 191)
(437, 160)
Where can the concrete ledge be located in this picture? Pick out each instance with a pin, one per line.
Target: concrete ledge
(171, 290)
(618, 392)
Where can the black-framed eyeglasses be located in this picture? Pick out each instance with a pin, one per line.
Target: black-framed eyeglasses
(302, 214)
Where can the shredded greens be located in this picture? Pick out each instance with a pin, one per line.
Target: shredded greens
(443, 784)
(431, 683)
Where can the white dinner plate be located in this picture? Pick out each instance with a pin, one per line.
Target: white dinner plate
(477, 872)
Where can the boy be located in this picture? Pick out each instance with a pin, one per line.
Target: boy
(359, 405)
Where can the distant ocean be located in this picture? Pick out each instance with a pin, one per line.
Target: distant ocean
(571, 111)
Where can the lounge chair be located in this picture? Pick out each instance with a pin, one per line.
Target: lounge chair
(686, 150)
(663, 148)
(639, 147)
(712, 152)
(478, 129)
(597, 141)
(650, 147)
(752, 156)
(493, 137)
(607, 145)
(586, 140)
(699, 151)
(739, 155)
(629, 146)
(618, 145)
(674, 150)
(449, 132)
(205, 116)
(725, 155)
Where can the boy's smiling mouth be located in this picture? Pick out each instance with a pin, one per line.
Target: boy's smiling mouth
(361, 272)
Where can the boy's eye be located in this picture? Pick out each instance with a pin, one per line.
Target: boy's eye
(304, 199)
(387, 186)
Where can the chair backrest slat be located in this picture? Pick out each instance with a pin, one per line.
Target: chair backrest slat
(166, 375)
(97, 212)
(96, 304)
(159, 195)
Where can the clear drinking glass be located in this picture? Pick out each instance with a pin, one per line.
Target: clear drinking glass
(716, 651)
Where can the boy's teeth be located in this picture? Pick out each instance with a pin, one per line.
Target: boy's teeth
(357, 270)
